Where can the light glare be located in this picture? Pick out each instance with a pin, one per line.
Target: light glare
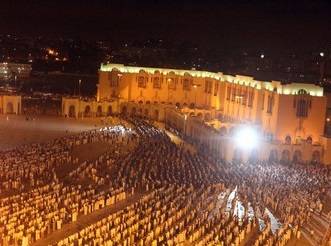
(246, 138)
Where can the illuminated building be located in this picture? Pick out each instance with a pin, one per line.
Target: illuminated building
(13, 71)
(10, 104)
(287, 115)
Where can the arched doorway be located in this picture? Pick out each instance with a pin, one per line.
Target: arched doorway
(237, 155)
(309, 140)
(110, 110)
(297, 157)
(140, 112)
(192, 114)
(285, 156)
(156, 115)
(223, 131)
(254, 156)
(87, 111)
(273, 156)
(99, 111)
(288, 139)
(10, 108)
(72, 111)
(316, 157)
(124, 110)
(133, 111)
(146, 113)
(207, 117)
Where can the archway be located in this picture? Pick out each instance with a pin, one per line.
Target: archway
(288, 139)
(146, 113)
(110, 110)
(99, 111)
(87, 111)
(10, 108)
(237, 155)
(207, 117)
(254, 156)
(285, 156)
(297, 156)
(273, 156)
(192, 105)
(191, 114)
(223, 131)
(316, 157)
(156, 115)
(200, 116)
(124, 110)
(72, 111)
(177, 105)
(232, 131)
(309, 140)
(133, 111)
(140, 112)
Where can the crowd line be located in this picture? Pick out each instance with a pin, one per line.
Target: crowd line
(187, 199)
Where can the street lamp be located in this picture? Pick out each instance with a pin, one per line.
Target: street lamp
(169, 80)
(195, 101)
(79, 83)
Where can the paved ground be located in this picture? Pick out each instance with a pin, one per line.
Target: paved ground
(16, 130)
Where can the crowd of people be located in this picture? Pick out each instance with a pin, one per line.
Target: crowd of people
(182, 198)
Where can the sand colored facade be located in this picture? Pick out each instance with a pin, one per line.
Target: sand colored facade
(10, 104)
(291, 112)
(290, 117)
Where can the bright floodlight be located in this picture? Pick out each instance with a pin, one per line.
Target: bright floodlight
(246, 138)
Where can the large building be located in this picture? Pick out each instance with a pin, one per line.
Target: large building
(292, 114)
(14, 71)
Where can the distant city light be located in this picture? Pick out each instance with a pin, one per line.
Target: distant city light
(322, 54)
(262, 56)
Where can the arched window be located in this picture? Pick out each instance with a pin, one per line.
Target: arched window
(302, 92)
(288, 139)
(156, 83)
(270, 104)
(302, 107)
(309, 140)
(186, 84)
(141, 82)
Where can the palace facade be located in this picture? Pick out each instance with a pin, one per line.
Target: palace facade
(285, 114)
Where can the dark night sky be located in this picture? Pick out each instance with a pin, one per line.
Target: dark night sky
(255, 24)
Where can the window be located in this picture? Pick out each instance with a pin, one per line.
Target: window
(228, 93)
(187, 84)
(270, 104)
(156, 83)
(142, 82)
(216, 89)
(171, 84)
(244, 97)
(114, 79)
(262, 103)
(302, 108)
(250, 98)
(208, 86)
(233, 94)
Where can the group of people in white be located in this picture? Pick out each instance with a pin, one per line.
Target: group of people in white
(174, 196)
